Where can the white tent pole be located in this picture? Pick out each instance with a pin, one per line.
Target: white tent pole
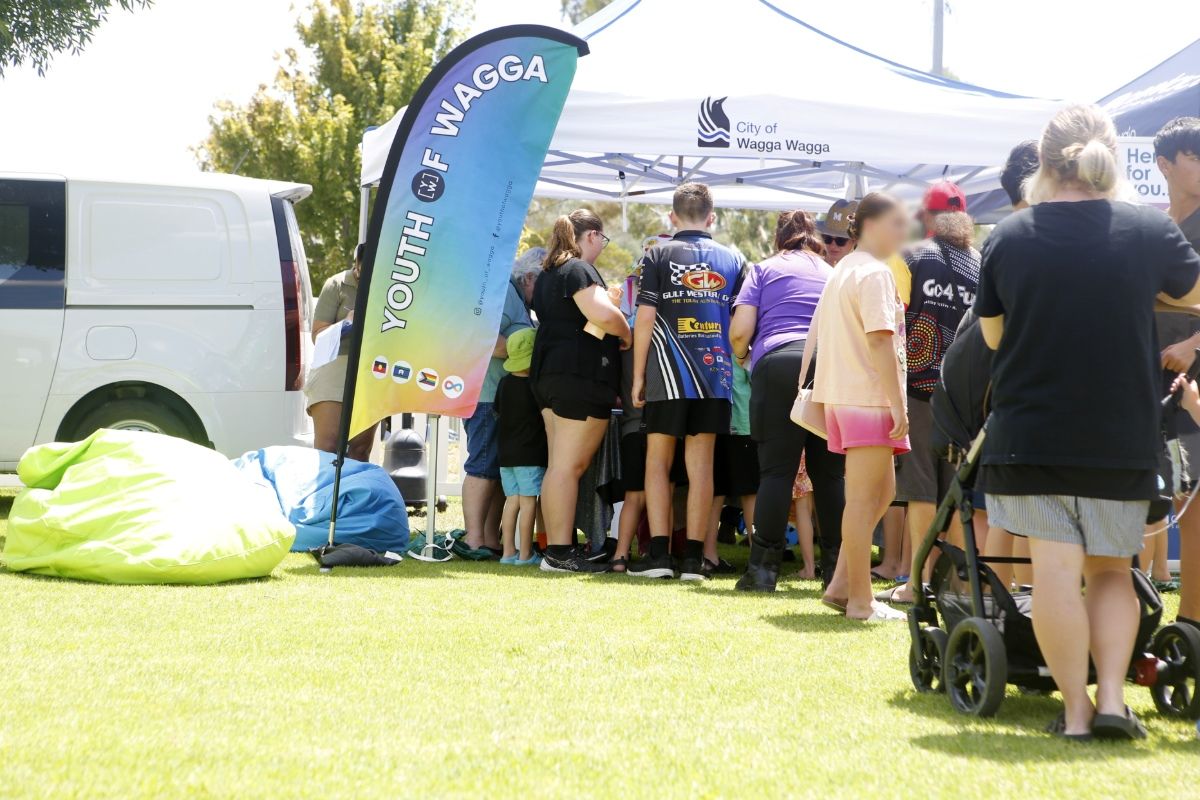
(939, 28)
(696, 168)
(364, 205)
(624, 204)
(591, 190)
(638, 178)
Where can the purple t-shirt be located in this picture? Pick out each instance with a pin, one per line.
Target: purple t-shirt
(785, 289)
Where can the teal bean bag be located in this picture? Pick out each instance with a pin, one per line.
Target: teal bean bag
(130, 507)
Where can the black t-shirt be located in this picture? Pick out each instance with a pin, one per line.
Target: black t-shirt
(944, 280)
(1076, 380)
(521, 432)
(691, 282)
(562, 346)
(1174, 328)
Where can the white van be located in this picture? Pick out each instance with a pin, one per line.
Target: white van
(180, 307)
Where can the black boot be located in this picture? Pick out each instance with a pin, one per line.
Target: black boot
(763, 571)
(828, 563)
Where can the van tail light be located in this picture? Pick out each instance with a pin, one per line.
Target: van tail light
(292, 328)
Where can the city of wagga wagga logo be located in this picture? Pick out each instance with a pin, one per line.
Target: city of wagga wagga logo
(715, 124)
(486, 77)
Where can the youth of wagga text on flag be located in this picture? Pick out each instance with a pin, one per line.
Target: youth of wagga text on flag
(444, 231)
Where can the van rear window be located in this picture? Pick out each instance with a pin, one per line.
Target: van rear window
(132, 239)
(33, 244)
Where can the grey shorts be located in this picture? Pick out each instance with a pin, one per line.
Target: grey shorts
(1111, 528)
(1186, 459)
(921, 475)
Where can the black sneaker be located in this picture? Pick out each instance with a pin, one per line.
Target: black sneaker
(718, 567)
(572, 563)
(692, 569)
(650, 567)
(604, 554)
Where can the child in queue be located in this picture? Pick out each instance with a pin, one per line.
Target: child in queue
(860, 379)
(522, 441)
(802, 511)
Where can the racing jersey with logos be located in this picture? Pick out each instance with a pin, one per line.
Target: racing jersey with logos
(944, 281)
(692, 282)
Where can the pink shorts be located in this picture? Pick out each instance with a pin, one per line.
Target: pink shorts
(861, 426)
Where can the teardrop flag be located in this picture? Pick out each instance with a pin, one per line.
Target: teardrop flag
(447, 218)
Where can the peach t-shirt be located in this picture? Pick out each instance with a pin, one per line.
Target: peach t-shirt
(860, 298)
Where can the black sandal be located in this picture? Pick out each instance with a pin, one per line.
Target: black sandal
(1118, 726)
(1058, 727)
(619, 565)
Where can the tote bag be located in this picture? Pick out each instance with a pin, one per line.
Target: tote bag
(807, 412)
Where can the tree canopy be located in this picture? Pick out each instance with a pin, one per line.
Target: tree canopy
(34, 31)
(364, 62)
(575, 10)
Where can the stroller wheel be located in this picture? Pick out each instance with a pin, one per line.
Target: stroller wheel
(1175, 691)
(975, 669)
(925, 658)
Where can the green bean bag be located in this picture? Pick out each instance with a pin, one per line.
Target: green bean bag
(129, 507)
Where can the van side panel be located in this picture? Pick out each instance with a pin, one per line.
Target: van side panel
(178, 287)
(224, 361)
(159, 245)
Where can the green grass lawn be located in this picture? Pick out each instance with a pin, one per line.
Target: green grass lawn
(469, 680)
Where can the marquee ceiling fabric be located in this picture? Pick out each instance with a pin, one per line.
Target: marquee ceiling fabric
(781, 115)
(1170, 90)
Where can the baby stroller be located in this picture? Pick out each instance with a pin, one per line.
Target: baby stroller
(971, 635)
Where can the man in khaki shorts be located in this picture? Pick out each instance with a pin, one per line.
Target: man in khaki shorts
(324, 385)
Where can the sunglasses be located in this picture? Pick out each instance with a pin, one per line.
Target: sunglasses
(840, 241)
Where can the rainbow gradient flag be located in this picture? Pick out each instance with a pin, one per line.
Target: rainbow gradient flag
(452, 201)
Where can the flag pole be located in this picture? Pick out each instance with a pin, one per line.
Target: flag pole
(339, 457)
(432, 445)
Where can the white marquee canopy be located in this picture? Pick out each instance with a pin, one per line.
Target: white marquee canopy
(768, 110)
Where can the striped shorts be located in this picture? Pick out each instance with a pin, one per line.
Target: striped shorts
(1111, 528)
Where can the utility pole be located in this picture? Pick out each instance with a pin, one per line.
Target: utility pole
(939, 27)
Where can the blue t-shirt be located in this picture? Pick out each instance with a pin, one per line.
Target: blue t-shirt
(691, 281)
(514, 317)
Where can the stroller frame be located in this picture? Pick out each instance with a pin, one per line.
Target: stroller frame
(970, 661)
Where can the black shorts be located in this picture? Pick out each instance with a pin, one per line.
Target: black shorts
(633, 463)
(735, 466)
(922, 476)
(681, 418)
(572, 397)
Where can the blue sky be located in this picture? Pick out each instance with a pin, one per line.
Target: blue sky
(140, 95)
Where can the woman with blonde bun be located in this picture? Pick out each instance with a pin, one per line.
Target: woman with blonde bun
(1066, 299)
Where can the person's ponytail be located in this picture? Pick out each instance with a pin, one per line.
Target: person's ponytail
(562, 246)
(564, 238)
(1095, 165)
(853, 226)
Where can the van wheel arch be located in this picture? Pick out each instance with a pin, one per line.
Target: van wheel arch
(162, 407)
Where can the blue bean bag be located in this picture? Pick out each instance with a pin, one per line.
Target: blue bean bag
(371, 512)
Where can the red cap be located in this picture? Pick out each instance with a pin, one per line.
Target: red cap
(945, 196)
